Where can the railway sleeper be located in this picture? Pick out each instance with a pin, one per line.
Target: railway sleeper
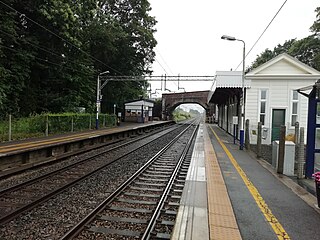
(142, 195)
(124, 232)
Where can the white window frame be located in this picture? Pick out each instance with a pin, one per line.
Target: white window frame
(293, 101)
(260, 100)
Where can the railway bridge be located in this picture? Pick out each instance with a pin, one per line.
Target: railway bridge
(172, 100)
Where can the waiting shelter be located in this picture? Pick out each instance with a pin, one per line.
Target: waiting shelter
(138, 111)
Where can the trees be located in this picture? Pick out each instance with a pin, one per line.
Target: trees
(52, 51)
(268, 54)
(307, 50)
(315, 28)
(133, 49)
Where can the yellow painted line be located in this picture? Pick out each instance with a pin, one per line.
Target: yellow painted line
(275, 224)
(37, 143)
(222, 221)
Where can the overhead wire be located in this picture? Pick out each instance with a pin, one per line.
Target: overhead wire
(161, 66)
(45, 60)
(158, 52)
(61, 38)
(263, 32)
(42, 48)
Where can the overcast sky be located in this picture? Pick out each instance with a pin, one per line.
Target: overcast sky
(189, 33)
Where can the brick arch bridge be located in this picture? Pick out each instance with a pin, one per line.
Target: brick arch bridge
(171, 100)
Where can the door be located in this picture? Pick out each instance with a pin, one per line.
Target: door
(278, 119)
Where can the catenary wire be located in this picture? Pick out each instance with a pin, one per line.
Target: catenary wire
(71, 44)
(43, 49)
(164, 61)
(45, 60)
(263, 32)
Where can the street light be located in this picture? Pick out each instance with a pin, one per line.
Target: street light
(99, 98)
(229, 38)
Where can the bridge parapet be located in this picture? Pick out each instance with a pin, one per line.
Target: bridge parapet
(171, 100)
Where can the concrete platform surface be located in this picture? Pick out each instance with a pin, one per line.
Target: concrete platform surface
(229, 194)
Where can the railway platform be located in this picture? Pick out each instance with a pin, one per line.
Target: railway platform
(229, 194)
(17, 155)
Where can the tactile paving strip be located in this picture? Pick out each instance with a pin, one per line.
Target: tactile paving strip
(222, 222)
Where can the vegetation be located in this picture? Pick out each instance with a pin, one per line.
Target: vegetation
(180, 115)
(47, 124)
(51, 52)
(307, 50)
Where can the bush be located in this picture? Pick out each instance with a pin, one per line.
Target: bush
(35, 126)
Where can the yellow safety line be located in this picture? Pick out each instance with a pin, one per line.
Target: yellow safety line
(276, 226)
(37, 143)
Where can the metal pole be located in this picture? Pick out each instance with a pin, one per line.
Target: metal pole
(71, 123)
(10, 127)
(47, 126)
(301, 154)
(242, 99)
(296, 142)
(98, 102)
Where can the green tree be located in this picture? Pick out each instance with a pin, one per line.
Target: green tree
(307, 50)
(269, 54)
(16, 60)
(315, 28)
(52, 64)
(134, 48)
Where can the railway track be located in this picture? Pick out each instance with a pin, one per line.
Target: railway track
(23, 169)
(145, 206)
(24, 196)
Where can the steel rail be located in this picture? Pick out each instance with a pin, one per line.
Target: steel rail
(31, 181)
(15, 213)
(155, 216)
(39, 143)
(75, 153)
(91, 216)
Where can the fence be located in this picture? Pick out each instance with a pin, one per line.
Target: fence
(256, 134)
(49, 124)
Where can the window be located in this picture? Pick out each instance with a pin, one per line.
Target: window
(294, 107)
(263, 106)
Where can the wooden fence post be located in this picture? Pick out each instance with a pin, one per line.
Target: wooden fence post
(282, 142)
(247, 136)
(259, 139)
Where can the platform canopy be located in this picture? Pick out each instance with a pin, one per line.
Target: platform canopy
(226, 84)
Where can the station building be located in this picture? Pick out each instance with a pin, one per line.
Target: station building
(270, 97)
(138, 111)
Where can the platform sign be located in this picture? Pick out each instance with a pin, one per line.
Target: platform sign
(235, 120)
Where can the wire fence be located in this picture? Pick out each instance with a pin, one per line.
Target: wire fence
(51, 124)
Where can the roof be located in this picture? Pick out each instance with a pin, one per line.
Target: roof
(138, 100)
(283, 66)
(230, 79)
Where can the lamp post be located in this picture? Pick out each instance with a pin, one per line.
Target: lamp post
(98, 103)
(229, 38)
